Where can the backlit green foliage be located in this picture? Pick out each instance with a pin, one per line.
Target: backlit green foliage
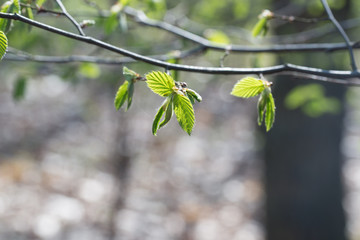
(12, 6)
(179, 100)
(160, 83)
(250, 87)
(3, 44)
(312, 101)
(126, 90)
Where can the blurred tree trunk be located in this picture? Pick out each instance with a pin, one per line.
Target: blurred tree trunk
(303, 173)
(303, 170)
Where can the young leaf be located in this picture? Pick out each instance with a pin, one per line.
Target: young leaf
(158, 115)
(270, 112)
(191, 93)
(111, 23)
(184, 112)
(29, 14)
(89, 70)
(160, 83)
(3, 44)
(168, 113)
(129, 74)
(130, 93)
(248, 87)
(12, 6)
(121, 95)
(40, 2)
(19, 88)
(261, 107)
(260, 26)
(266, 105)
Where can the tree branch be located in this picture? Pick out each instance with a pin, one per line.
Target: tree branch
(140, 17)
(342, 32)
(76, 24)
(187, 68)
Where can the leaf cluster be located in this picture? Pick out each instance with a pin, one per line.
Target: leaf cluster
(126, 90)
(179, 100)
(251, 87)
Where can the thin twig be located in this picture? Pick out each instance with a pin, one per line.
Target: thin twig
(140, 17)
(276, 48)
(342, 32)
(41, 9)
(298, 19)
(186, 68)
(76, 24)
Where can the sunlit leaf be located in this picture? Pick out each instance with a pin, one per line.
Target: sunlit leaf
(158, 115)
(248, 87)
(160, 83)
(168, 113)
(260, 26)
(29, 14)
(270, 112)
(40, 2)
(217, 36)
(191, 93)
(90, 70)
(111, 23)
(129, 75)
(261, 108)
(121, 95)
(12, 6)
(130, 94)
(3, 44)
(312, 100)
(184, 112)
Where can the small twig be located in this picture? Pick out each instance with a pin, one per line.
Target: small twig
(342, 32)
(298, 19)
(222, 59)
(76, 24)
(41, 9)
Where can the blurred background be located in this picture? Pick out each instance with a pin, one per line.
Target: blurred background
(72, 167)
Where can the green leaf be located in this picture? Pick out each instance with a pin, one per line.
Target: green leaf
(12, 6)
(29, 14)
(191, 93)
(168, 113)
(270, 112)
(248, 87)
(160, 83)
(184, 112)
(111, 23)
(90, 70)
(217, 36)
(129, 75)
(3, 44)
(19, 88)
(266, 105)
(121, 95)
(40, 2)
(261, 107)
(158, 115)
(130, 94)
(260, 26)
